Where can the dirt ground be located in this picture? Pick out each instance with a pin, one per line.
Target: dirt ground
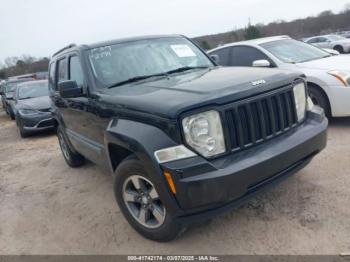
(48, 208)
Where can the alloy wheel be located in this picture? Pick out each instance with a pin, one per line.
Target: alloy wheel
(142, 200)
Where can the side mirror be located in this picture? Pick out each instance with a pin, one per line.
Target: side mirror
(69, 89)
(216, 58)
(261, 63)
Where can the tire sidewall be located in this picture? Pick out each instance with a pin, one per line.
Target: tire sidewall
(73, 159)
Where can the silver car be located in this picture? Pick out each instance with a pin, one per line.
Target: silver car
(336, 42)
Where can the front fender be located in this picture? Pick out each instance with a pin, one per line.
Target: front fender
(143, 140)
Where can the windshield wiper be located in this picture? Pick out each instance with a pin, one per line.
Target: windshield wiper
(135, 79)
(185, 68)
(27, 97)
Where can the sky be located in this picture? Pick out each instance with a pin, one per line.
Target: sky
(41, 27)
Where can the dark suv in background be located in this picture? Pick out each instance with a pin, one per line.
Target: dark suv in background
(184, 138)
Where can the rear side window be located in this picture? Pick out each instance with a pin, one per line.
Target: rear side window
(245, 56)
(62, 70)
(313, 40)
(75, 71)
(224, 56)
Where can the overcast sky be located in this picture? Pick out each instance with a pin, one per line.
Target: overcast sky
(41, 27)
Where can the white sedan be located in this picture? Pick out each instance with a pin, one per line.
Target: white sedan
(328, 75)
(336, 42)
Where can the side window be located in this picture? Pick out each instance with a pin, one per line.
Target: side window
(245, 56)
(313, 40)
(52, 73)
(75, 71)
(322, 39)
(62, 70)
(224, 56)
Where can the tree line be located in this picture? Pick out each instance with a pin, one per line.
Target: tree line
(324, 23)
(24, 64)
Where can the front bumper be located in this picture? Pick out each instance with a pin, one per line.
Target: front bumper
(37, 122)
(205, 188)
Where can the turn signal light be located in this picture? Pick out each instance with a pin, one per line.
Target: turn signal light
(170, 181)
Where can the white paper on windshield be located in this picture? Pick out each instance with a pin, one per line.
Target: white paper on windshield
(183, 50)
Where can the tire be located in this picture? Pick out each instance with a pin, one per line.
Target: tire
(72, 158)
(163, 228)
(319, 98)
(339, 48)
(11, 113)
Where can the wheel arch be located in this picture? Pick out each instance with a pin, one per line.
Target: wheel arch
(319, 88)
(127, 137)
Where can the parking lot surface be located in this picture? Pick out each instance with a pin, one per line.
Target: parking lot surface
(48, 208)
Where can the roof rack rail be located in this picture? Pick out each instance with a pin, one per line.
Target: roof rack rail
(64, 48)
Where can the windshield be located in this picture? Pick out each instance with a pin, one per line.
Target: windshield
(119, 62)
(293, 51)
(33, 89)
(10, 87)
(335, 37)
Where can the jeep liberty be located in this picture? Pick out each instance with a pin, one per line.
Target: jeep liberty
(185, 139)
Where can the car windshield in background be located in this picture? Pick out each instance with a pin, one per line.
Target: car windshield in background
(10, 87)
(32, 90)
(293, 51)
(336, 37)
(137, 60)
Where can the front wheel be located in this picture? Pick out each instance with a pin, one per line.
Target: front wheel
(141, 204)
(72, 158)
(339, 48)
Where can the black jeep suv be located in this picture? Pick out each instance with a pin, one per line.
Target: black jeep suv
(184, 138)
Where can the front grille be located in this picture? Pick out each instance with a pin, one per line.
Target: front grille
(260, 118)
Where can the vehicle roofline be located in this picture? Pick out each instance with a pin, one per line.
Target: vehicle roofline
(110, 42)
(253, 42)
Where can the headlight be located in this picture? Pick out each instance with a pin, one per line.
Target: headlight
(203, 132)
(342, 76)
(300, 100)
(28, 111)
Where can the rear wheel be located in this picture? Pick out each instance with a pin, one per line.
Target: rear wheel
(339, 48)
(72, 158)
(320, 99)
(141, 204)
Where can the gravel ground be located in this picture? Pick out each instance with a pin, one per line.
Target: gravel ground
(48, 208)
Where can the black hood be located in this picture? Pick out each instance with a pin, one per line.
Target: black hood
(37, 103)
(171, 96)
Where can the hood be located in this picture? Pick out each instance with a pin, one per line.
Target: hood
(37, 103)
(182, 92)
(339, 62)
